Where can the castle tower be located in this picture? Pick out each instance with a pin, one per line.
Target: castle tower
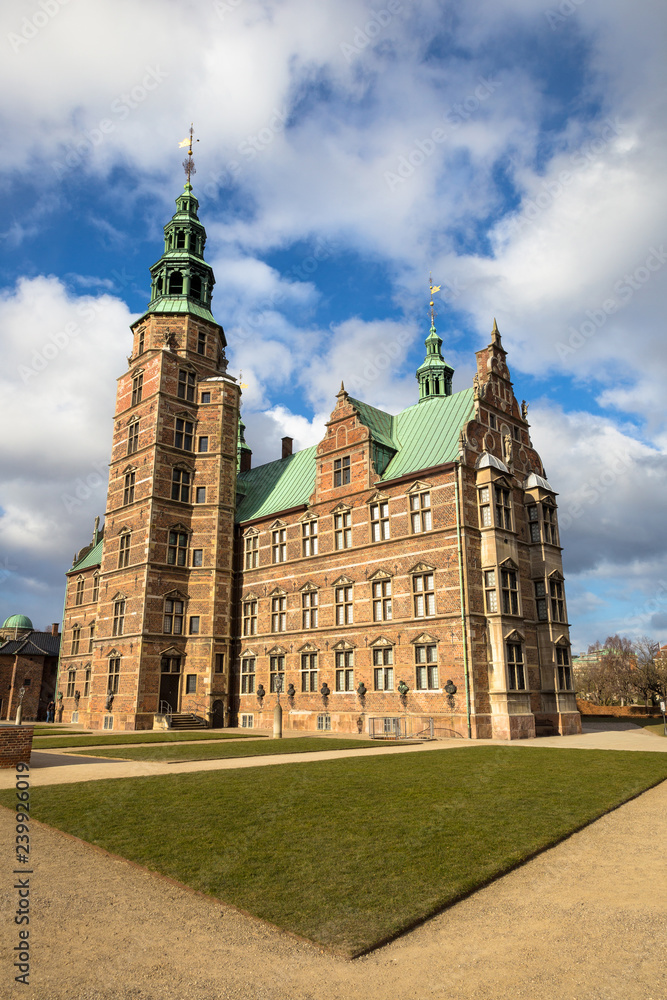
(160, 602)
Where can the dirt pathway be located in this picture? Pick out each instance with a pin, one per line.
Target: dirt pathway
(584, 921)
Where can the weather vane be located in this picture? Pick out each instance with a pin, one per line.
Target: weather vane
(433, 288)
(189, 164)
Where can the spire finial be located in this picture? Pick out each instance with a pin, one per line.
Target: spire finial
(495, 333)
(433, 289)
(189, 164)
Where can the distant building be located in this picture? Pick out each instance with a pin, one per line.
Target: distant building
(28, 660)
(406, 571)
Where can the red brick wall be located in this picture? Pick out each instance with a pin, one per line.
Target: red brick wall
(15, 745)
(617, 711)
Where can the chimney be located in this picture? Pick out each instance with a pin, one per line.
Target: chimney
(54, 629)
(287, 447)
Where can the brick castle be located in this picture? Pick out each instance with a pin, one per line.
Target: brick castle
(404, 575)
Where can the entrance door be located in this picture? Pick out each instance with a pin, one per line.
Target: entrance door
(169, 691)
(218, 718)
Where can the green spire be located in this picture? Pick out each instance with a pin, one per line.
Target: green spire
(434, 375)
(182, 280)
(243, 450)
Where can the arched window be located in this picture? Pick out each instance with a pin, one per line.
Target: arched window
(195, 286)
(176, 283)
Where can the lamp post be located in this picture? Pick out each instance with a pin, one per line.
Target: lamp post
(278, 710)
(664, 721)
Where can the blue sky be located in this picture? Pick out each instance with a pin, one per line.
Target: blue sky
(347, 149)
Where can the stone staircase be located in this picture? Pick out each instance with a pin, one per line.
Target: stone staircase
(183, 720)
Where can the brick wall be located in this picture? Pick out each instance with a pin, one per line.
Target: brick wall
(15, 745)
(617, 711)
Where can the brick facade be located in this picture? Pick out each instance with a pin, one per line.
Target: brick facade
(430, 598)
(15, 745)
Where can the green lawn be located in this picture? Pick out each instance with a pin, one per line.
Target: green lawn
(117, 739)
(51, 731)
(299, 744)
(351, 852)
(653, 725)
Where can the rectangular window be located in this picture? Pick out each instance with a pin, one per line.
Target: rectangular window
(133, 437)
(279, 545)
(197, 557)
(78, 597)
(345, 670)
(309, 538)
(71, 683)
(343, 529)
(219, 663)
(344, 615)
(503, 508)
(510, 591)
(141, 341)
(180, 485)
(91, 637)
(173, 616)
(379, 521)
(76, 639)
(490, 591)
(420, 512)
(191, 684)
(201, 494)
(96, 588)
(247, 721)
(541, 601)
(86, 683)
(276, 673)
(206, 397)
(118, 617)
(564, 668)
(248, 675)
(484, 508)
(424, 595)
(549, 522)
(426, 667)
(515, 674)
(383, 669)
(186, 385)
(278, 613)
(203, 444)
(128, 490)
(250, 617)
(107, 722)
(492, 421)
(170, 664)
(194, 624)
(341, 475)
(201, 343)
(557, 600)
(183, 434)
(309, 672)
(309, 608)
(124, 550)
(137, 388)
(177, 549)
(381, 590)
(251, 546)
(114, 675)
(324, 722)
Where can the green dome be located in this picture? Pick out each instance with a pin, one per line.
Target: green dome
(18, 621)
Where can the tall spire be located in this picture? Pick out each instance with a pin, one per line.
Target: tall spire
(182, 280)
(434, 374)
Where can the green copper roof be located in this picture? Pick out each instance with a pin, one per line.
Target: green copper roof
(18, 621)
(417, 439)
(278, 485)
(93, 557)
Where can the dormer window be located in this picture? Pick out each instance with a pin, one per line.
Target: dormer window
(341, 473)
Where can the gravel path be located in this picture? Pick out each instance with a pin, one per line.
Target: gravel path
(584, 921)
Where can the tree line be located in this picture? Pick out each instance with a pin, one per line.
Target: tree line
(623, 672)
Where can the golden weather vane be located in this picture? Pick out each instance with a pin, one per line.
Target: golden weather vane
(189, 164)
(433, 289)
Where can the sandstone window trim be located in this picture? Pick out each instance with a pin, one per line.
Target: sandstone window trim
(276, 671)
(344, 603)
(118, 622)
(113, 674)
(249, 615)
(248, 673)
(178, 544)
(381, 597)
(502, 494)
(515, 662)
(310, 606)
(378, 512)
(491, 591)
(184, 433)
(509, 588)
(124, 545)
(279, 544)
(181, 482)
(133, 436)
(96, 587)
(309, 537)
(278, 611)
(427, 673)
(251, 549)
(563, 660)
(86, 682)
(137, 387)
(423, 593)
(71, 683)
(79, 591)
(383, 667)
(91, 637)
(342, 523)
(484, 502)
(557, 597)
(173, 613)
(186, 386)
(344, 667)
(341, 471)
(421, 515)
(76, 640)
